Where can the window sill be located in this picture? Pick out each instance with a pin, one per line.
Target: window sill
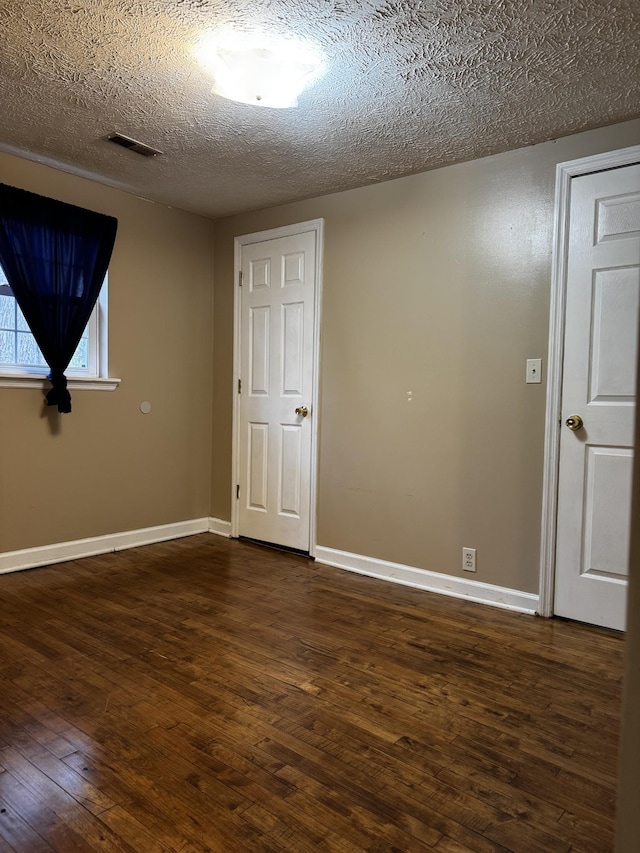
(74, 383)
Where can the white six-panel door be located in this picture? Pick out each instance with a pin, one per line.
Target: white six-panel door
(598, 397)
(277, 322)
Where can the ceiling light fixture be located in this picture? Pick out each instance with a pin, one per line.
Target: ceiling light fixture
(252, 68)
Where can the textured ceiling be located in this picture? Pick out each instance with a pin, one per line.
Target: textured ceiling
(409, 86)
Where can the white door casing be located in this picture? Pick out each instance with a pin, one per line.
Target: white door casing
(276, 355)
(593, 343)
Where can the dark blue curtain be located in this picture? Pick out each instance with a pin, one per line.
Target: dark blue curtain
(55, 257)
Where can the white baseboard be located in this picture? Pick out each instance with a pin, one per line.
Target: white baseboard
(483, 593)
(220, 527)
(29, 558)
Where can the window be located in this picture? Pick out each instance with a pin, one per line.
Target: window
(20, 356)
(57, 256)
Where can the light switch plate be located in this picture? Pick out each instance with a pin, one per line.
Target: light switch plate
(534, 370)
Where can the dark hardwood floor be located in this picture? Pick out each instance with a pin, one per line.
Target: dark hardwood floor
(208, 695)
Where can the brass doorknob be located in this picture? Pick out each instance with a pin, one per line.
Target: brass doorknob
(574, 422)
(302, 411)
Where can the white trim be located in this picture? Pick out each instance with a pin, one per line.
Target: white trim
(74, 383)
(316, 225)
(29, 558)
(102, 336)
(481, 593)
(564, 173)
(220, 527)
(235, 428)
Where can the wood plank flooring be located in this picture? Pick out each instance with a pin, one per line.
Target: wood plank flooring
(209, 695)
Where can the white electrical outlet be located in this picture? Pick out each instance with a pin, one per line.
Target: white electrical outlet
(469, 559)
(534, 371)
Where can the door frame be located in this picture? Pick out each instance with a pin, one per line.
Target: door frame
(317, 226)
(564, 174)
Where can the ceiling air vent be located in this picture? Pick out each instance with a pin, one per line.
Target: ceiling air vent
(133, 145)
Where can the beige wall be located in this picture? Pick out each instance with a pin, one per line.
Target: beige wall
(110, 468)
(436, 283)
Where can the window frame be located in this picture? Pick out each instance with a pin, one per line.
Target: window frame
(95, 377)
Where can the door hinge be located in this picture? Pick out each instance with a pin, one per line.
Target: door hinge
(238, 491)
(239, 386)
(240, 278)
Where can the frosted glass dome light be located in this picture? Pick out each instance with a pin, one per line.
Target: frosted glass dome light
(266, 71)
